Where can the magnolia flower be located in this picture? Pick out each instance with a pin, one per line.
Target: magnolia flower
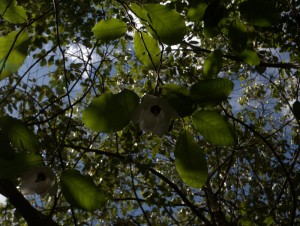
(154, 114)
(40, 180)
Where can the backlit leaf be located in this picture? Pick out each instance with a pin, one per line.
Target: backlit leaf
(11, 12)
(80, 191)
(21, 162)
(110, 112)
(213, 18)
(179, 98)
(211, 91)
(18, 134)
(196, 13)
(163, 22)
(237, 36)
(213, 64)
(109, 30)
(13, 51)
(147, 50)
(140, 11)
(190, 161)
(250, 57)
(214, 128)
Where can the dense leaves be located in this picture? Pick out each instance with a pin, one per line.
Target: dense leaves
(150, 112)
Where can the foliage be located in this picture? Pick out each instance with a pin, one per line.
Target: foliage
(73, 75)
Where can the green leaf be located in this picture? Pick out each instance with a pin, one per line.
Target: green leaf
(80, 191)
(140, 12)
(211, 91)
(213, 64)
(163, 22)
(147, 50)
(214, 128)
(18, 134)
(249, 56)
(11, 12)
(262, 13)
(179, 98)
(269, 221)
(237, 36)
(190, 161)
(110, 112)
(214, 18)
(13, 51)
(196, 13)
(109, 30)
(21, 162)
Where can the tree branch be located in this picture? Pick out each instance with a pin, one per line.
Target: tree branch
(281, 65)
(31, 215)
(182, 196)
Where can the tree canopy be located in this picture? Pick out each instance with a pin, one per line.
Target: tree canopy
(153, 112)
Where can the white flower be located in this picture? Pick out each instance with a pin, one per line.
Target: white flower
(40, 180)
(154, 114)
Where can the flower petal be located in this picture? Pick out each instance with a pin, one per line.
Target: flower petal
(40, 180)
(154, 114)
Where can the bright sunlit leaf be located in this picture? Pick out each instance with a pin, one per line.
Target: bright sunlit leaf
(80, 191)
(140, 11)
(163, 22)
(214, 128)
(13, 51)
(147, 50)
(11, 12)
(110, 112)
(109, 30)
(190, 161)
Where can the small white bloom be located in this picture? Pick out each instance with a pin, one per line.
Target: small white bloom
(154, 114)
(40, 180)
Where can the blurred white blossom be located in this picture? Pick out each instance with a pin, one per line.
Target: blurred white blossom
(39, 180)
(154, 114)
